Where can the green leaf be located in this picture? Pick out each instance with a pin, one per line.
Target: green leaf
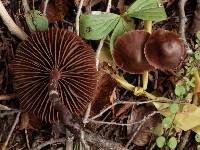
(167, 122)
(197, 55)
(174, 108)
(96, 27)
(36, 21)
(120, 28)
(197, 138)
(172, 143)
(198, 35)
(160, 141)
(147, 10)
(198, 147)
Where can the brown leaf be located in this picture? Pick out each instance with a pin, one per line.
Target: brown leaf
(27, 122)
(105, 87)
(196, 20)
(144, 135)
(56, 10)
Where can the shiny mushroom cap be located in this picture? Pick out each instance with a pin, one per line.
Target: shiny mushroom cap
(128, 52)
(63, 56)
(164, 50)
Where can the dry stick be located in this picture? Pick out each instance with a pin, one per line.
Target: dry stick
(182, 27)
(25, 5)
(78, 16)
(52, 141)
(103, 39)
(8, 113)
(12, 27)
(126, 124)
(11, 131)
(7, 97)
(133, 136)
(45, 7)
(27, 140)
(185, 138)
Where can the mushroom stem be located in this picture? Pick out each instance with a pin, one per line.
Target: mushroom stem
(64, 113)
(145, 78)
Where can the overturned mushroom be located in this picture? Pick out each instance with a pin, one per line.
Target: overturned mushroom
(128, 52)
(164, 50)
(54, 70)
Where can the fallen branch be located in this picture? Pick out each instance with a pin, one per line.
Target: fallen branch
(182, 27)
(12, 27)
(78, 16)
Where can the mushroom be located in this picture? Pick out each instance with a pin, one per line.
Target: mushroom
(54, 70)
(128, 52)
(164, 50)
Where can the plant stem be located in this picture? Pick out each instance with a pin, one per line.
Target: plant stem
(12, 27)
(148, 28)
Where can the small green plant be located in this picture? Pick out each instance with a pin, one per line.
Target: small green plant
(172, 143)
(160, 141)
(197, 45)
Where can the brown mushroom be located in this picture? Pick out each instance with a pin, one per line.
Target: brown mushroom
(54, 65)
(128, 52)
(164, 50)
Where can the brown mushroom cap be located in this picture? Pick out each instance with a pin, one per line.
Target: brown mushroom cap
(128, 52)
(38, 57)
(164, 50)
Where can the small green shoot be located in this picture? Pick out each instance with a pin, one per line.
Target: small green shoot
(174, 108)
(172, 143)
(167, 122)
(197, 45)
(160, 141)
(197, 138)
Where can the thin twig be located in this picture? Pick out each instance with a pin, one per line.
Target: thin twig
(45, 7)
(27, 140)
(78, 16)
(26, 6)
(182, 27)
(8, 113)
(12, 27)
(135, 133)
(103, 39)
(11, 131)
(126, 124)
(52, 141)
(184, 140)
(7, 97)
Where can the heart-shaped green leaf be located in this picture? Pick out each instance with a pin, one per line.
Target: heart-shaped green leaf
(36, 21)
(121, 27)
(147, 10)
(96, 27)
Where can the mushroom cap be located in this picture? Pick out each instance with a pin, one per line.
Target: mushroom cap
(164, 50)
(36, 60)
(128, 52)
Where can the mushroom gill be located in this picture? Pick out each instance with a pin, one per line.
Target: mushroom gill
(54, 62)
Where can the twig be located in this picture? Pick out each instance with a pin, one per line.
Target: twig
(86, 146)
(11, 131)
(45, 7)
(26, 6)
(27, 140)
(78, 16)
(126, 124)
(183, 20)
(184, 140)
(7, 97)
(2, 107)
(135, 133)
(8, 113)
(52, 141)
(103, 39)
(12, 27)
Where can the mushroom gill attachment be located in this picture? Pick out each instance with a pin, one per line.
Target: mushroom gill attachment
(128, 52)
(54, 65)
(164, 50)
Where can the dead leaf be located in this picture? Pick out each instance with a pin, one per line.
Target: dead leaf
(105, 87)
(195, 27)
(56, 10)
(145, 134)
